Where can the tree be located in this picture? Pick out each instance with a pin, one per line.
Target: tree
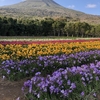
(97, 31)
(58, 27)
(47, 26)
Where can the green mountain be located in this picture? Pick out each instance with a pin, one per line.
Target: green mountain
(44, 8)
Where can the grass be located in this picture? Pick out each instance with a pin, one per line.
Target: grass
(40, 38)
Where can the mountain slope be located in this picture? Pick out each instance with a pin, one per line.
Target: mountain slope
(42, 8)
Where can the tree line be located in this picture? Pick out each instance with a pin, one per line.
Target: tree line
(47, 27)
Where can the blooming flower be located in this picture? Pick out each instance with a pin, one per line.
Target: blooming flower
(82, 93)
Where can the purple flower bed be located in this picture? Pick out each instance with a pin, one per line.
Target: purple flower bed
(15, 70)
(57, 77)
(64, 84)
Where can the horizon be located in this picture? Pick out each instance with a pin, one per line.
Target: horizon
(88, 7)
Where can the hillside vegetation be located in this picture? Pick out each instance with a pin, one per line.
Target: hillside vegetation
(45, 8)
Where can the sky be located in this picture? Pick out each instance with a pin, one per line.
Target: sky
(86, 6)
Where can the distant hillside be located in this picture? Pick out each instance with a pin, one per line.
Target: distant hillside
(44, 8)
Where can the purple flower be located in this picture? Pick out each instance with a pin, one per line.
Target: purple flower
(18, 98)
(60, 82)
(64, 72)
(84, 83)
(56, 90)
(51, 89)
(94, 94)
(73, 86)
(70, 91)
(8, 71)
(38, 95)
(30, 89)
(64, 92)
(68, 82)
(83, 79)
(28, 83)
(22, 89)
(38, 73)
(82, 93)
(97, 78)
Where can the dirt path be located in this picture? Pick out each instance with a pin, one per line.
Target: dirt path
(11, 90)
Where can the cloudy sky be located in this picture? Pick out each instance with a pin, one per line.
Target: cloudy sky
(86, 6)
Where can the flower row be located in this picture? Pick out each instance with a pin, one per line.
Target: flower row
(64, 84)
(14, 70)
(16, 52)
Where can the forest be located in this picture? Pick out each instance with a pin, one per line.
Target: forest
(47, 27)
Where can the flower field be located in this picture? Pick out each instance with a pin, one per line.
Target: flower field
(17, 51)
(59, 70)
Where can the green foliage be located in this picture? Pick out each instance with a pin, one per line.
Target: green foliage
(47, 27)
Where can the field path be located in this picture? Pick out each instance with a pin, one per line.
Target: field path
(11, 90)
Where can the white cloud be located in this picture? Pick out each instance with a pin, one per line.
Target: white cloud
(91, 5)
(71, 6)
(23, 0)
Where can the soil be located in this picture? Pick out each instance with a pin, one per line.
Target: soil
(11, 90)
